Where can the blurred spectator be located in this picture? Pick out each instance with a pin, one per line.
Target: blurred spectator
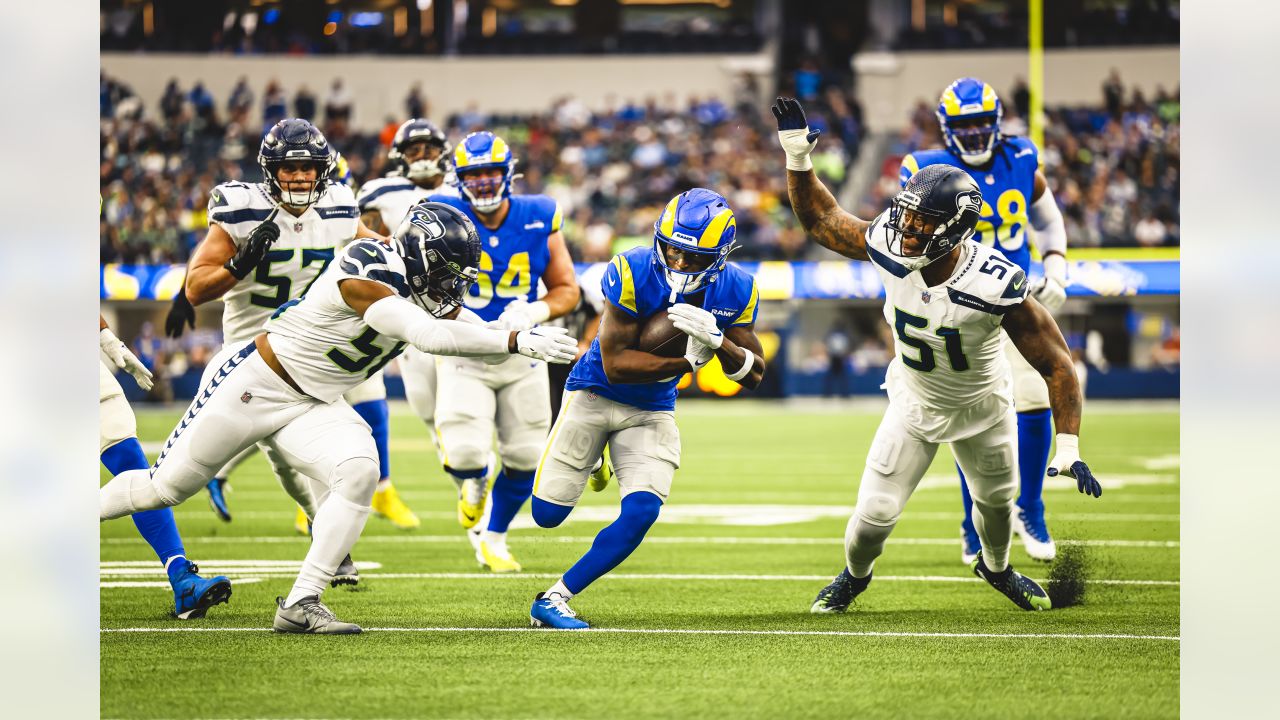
(304, 104)
(1149, 232)
(1113, 93)
(274, 105)
(836, 381)
(1020, 99)
(171, 101)
(414, 104)
(1168, 354)
(337, 104)
(241, 99)
(201, 101)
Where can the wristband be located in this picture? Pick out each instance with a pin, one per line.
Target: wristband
(1066, 441)
(741, 372)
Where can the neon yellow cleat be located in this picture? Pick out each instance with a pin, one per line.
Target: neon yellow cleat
(601, 476)
(471, 497)
(301, 522)
(387, 503)
(498, 558)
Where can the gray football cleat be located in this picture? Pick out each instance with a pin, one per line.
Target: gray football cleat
(346, 574)
(309, 616)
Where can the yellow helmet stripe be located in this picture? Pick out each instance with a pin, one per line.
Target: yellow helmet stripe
(722, 221)
(668, 224)
(460, 156)
(950, 102)
(498, 152)
(988, 98)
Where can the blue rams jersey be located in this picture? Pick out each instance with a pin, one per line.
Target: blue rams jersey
(513, 257)
(635, 283)
(1006, 188)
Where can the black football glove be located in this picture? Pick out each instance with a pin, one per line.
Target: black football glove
(182, 313)
(254, 248)
(794, 135)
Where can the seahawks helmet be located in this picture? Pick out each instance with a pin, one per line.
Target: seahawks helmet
(441, 252)
(939, 195)
(700, 224)
(483, 151)
(969, 114)
(290, 141)
(419, 130)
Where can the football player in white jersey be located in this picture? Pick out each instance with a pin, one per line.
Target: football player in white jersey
(419, 159)
(947, 298)
(284, 387)
(267, 243)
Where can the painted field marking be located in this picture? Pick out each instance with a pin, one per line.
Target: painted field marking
(693, 631)
(659, 540)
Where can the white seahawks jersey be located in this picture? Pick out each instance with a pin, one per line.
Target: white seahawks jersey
(324, 344)
(305, 248)
(391, 197)
(948, 349)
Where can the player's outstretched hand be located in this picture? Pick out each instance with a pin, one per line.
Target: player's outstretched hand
(549, 344)
(1066, 461)
(794, 135)
(516, 316)
(123, 359)
(255, 247)
(697, 323)
(182, 313)
(1049, 293)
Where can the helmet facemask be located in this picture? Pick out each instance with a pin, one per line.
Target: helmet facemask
(704, 265)
(483, 189)
(440, 287)
(973, 137)
(425, 168)
(907, 219)
(288, 193)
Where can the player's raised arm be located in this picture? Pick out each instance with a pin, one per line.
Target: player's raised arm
(813, 204)
(1036, 335)
(217, 264)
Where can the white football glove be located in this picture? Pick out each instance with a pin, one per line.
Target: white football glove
(1066, 461)
(522, 315)
(698, 354)
(1051, 290)
(697, 323)
(123, 359)
(549, 344)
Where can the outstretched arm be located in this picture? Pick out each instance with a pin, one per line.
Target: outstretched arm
(813, 204)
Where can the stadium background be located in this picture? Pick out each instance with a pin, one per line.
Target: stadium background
(614, 106)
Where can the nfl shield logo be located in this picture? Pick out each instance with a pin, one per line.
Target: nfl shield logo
(925, 297)
(297, 227)
(245, 398)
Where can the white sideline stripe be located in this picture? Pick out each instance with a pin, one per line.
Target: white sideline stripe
(690, 576)
(833, 511)
(712, 540)
(694, 631)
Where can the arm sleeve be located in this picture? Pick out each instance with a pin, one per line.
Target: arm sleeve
(1051, 231)
(401, 319)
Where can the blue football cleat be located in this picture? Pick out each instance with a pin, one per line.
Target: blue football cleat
(218, 499)
(969, 544)
(553, 611)
(194, 595)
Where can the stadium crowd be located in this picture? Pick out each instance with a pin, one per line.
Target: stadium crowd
(611, 170)
(1113, 168)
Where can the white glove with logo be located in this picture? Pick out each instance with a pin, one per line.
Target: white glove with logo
(549, 344)
(1066, 461)
(698, 354)
(1051, 290)
(522, 315)
(697, 323)
(120, 356)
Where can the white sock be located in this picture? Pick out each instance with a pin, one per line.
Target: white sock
(560, 589)
(127, 493)
(498, 539)
(337, 526)
(995, 530)
(169, 562)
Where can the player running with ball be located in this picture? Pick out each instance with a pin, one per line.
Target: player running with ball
(947, 298)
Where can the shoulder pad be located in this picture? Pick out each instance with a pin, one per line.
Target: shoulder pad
(235, 202)
(995, 285)
(376, 188)
(371, 260)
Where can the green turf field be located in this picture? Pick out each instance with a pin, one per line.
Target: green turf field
(708, 619)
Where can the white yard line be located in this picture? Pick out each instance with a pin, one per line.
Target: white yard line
(572, 539)
(696, 631)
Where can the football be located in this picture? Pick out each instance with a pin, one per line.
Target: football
(659, 337)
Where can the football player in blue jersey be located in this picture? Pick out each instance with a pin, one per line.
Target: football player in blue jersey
(624, 396)
(521, 245)
(1015, 195)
